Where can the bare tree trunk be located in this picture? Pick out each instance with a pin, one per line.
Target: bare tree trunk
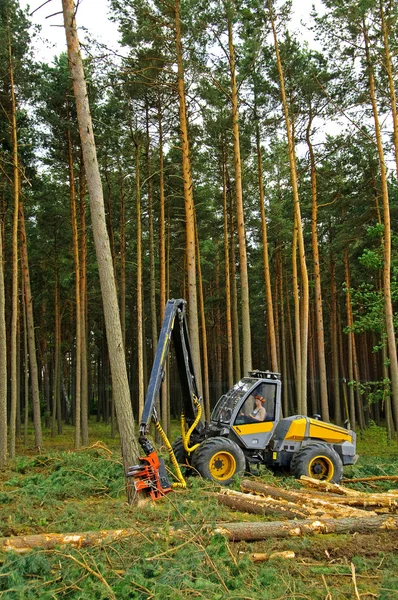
(297, 330)
(228, 315)
(387, 63)
(165, 404)
(152, 274)
(388, 308)
(76, 263)
(206, 389)
(140, 315)
(14, 309)
(351, 341)
(122, 283)
(297, 217)
(320, 337)
(244, 279)
(34, 375)
(267, 277)
(234, 291)
(104, 257)
(83, 305)
(334, 343)
(3, 364)
(193, 318)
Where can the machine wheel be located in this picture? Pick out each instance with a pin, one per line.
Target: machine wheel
(219, 459)
(319, 461)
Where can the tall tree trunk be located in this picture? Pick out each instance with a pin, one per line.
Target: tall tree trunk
(244, 279)
(193, 318)
(206, 389)
(387, 63)
(3, 364)
(140, 315)
(228, 315)
(83, 303)
(34, 375)
(388, 308)
(297, 216)
(56, 416)
(152, 273)
(351, 341)
(334, 342)
(76, 263)
(267, 276)
(320, 337)
(26, 371)
(122, 283)
(297, 330)
(165, 404)
(104, 257)
(234, 291)
(14, 309)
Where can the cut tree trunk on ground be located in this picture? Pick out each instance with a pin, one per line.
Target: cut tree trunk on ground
(327, 486)
(310, 505)
(375, 478)
(282, 529)
(49, 541)
(260, 505)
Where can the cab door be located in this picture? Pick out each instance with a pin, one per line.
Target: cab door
(255, 434)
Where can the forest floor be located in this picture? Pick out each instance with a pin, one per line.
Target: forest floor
(67, 491)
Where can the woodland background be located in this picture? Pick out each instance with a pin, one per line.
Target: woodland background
(224, 185)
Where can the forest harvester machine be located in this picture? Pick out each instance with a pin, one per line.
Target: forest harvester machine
(246, 426)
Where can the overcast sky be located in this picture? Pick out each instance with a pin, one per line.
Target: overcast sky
(94, 16)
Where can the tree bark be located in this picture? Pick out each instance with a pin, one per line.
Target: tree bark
(244, 280)
(267, 276)
(104, 258)
(251, 531)
(193, 318)
(140, 315)
(320, 337)
(297, 218)
(388, 307)
(34, 374)
(14, 301)
(76, 263)
(228, 311)
(3, 364)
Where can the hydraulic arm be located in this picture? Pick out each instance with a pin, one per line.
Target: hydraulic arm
(150, 475)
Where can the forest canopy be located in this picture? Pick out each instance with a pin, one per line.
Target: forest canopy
(242, 170)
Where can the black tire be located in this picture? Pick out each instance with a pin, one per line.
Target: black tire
(219, 459)
(319, 461)
(179, 451)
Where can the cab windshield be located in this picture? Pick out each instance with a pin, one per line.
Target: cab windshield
(225, 407)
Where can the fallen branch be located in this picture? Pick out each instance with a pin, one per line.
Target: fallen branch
(282, 529)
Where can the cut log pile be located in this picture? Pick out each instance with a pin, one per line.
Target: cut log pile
(321, 507)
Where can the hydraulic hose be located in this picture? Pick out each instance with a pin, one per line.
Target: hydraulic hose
(181, 483)
(186, 437)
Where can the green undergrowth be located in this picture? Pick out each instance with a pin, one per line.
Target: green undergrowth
(173, 552)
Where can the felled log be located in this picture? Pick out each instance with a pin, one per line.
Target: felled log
(328, 486)
(264, 556)
(260, 505)
(374, 478)
(310, 505)
(282, 529)
(49, 541)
